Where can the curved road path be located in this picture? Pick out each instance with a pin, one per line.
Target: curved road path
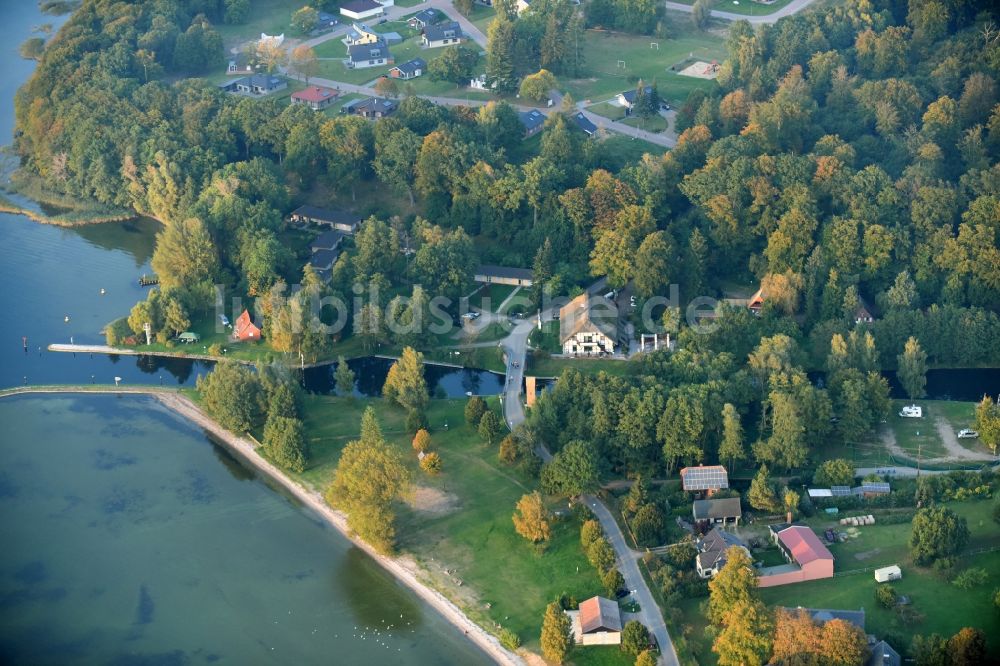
(515, 346)
(791, 8)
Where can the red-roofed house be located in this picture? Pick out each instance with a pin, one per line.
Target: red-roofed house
(598, 622)
(244, 328)
(808, 558)
(315, 97)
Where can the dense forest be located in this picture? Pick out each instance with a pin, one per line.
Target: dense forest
(847, 155)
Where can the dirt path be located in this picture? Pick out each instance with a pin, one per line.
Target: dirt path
(405, 569)
(958, 452)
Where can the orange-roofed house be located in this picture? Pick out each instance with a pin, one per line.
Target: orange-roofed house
(808, 558)
(598, 622)
(245, 329)
(316, 98)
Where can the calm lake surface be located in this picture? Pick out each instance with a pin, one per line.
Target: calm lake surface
(149, 544)
(129, 537)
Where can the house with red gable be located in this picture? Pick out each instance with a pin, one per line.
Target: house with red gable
(808, 558)
(245, 329)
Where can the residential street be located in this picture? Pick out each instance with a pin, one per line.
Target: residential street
(516, 347)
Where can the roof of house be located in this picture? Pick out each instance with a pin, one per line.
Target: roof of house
(704, 477)
(429, 15)
(326, 17)
(360, 6)
(629, 95)
(360, 52)
(531, 119)
(824, 615)
(713, 546)
(884, 655)
(411, 66)
(598, 613)
(504, 272)
(266, 81)
(244, 322)
(712, 509)
(588, 312)
(322, 259)
(449, 30)
(315, 94)
(584, 123)
(373, 105)
(327, 215)
(327, 240)
(803, 544)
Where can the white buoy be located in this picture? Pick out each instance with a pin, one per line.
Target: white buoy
(66, 319)
(102, 291)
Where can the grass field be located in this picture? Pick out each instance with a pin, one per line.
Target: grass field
(481, 16)
(491, 296)
(605, 79)
(269, 16)
(553, 367)
(546, 339)
(944, 607)
(470, 531)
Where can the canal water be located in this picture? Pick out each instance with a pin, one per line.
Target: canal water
(128, 536)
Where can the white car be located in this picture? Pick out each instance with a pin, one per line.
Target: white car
(967, 433)
(912, 412)
(471, 315)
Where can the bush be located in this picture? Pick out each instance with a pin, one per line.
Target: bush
(635, 637)
(509, 639)
(116, 332)
(431, 463)
(421, 441)
(885, 595)
(474, 410)
(970, 578)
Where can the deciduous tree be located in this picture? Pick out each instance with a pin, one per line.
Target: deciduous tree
(531, 518)
(912, 370)
(405, 384)
(938, 532)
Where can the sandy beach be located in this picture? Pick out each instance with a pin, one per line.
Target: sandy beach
(404, 570)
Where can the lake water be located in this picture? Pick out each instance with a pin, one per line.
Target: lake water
(130, 538)
(371, 371)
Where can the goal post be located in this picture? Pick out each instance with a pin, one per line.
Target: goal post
(621, 64)
(654, 46)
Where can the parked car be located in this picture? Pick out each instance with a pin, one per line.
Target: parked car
(471, 315)
(967, 433)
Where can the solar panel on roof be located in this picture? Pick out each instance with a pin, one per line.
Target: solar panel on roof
(704, 478)
(875, 487)
(840, 491)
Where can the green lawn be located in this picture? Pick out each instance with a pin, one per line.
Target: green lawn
(655, 123)
(600, 655)
(944, 607)
(269, 16)
(553, 367)
(496, 293)
(608, 110)
(617, 150)
(409, 49)
(481, 16)
(605, 79)
(546, 339)
(408, 3)
(472, 535)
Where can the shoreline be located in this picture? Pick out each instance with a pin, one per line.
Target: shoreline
(407, 572)
(12, 208)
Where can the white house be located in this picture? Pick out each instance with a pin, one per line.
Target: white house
(360, 56)
(588, 325)
(442, 34)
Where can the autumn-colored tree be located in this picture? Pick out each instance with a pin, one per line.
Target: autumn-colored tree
(646, 658)
(405, 383)
(590, 532)
(557, 637)
(988, 423)
(968, 647)
(843, 643)
(746, 636)
(734, 584)
(421, 441)
(304, 62)
(531, 518)
(386, 87)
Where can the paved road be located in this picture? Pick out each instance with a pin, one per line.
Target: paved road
(516, 347)
(787, 10)
(899, 471)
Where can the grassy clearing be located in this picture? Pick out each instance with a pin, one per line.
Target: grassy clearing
(553, 367)
(618, 150)
(273, 17)
(491, 296)
(481, 16)
(408, 3)
(546, 338)
(600, 655)
(605, 49)
(655, 123)
(608, 110)
(472, 536)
